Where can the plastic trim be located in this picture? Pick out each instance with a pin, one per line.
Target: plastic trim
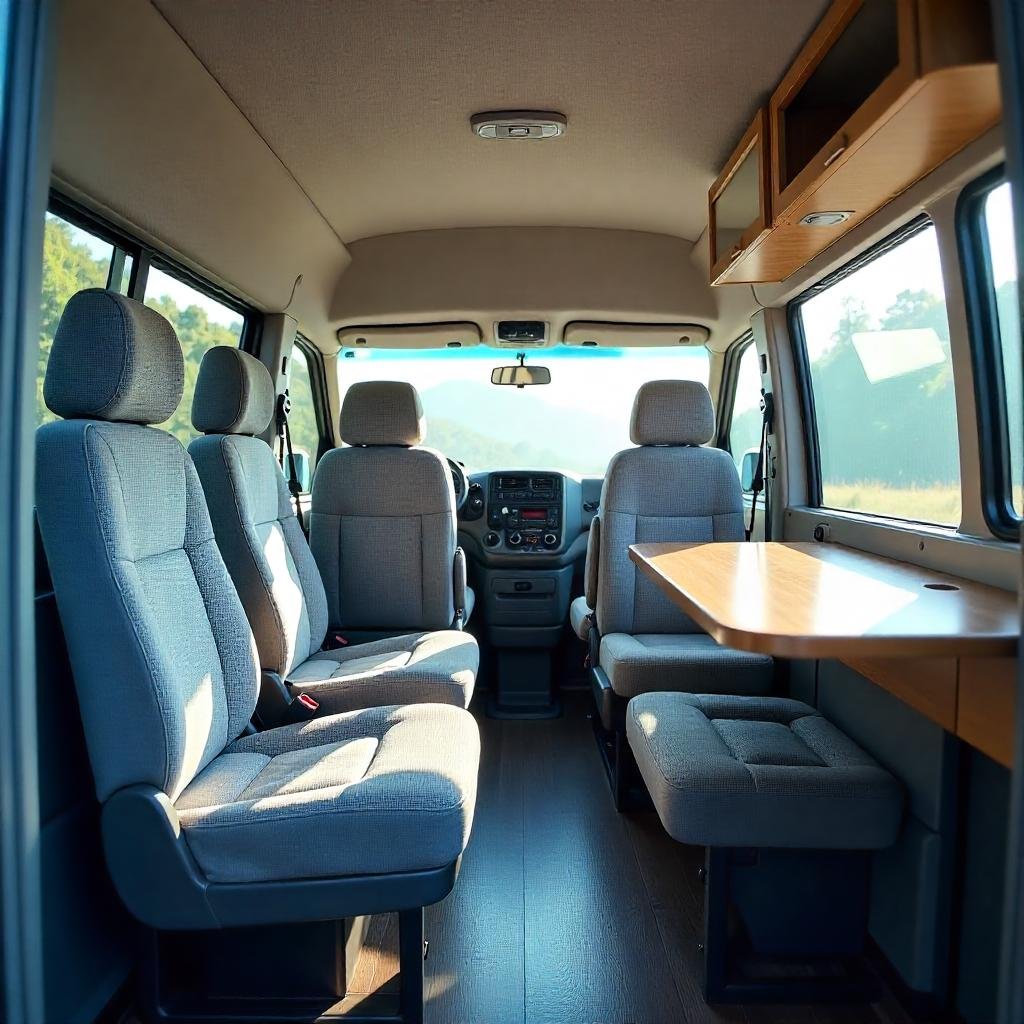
(991, 398)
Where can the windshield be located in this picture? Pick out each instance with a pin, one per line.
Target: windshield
(575, 423)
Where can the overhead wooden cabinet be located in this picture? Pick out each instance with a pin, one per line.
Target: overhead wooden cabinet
(739, 204)
(882, 93)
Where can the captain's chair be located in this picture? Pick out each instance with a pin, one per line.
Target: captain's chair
(669, 488)
(382, 526)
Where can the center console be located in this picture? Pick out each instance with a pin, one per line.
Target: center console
(525, 512)
(525, 535)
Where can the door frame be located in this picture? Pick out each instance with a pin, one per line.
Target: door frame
(25, 118)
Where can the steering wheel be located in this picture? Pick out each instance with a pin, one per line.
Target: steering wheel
(461, 482)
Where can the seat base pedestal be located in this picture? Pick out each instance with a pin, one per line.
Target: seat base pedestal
(609, 719)
(785, 926)
(294, 973)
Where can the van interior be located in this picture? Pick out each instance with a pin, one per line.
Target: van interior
(511, 511)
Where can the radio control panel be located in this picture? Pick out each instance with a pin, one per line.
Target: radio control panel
(524, 511)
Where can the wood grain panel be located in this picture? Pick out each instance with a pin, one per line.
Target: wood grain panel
(943, 94)
(807, 600)
(986, 710)
(927, 684)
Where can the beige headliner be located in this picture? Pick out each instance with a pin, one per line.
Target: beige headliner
(259, 139)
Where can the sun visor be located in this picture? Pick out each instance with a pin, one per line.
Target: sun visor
(592, 334)
(463, 334)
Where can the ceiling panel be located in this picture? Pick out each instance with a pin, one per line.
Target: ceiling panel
(367, 102)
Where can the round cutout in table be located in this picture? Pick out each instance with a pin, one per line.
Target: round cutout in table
(940, 586)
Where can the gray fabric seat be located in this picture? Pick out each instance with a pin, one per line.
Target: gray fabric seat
(166, 669)
(344, 795)
(579, 617)
(687, 662)
(382, 526)
(761, 772)
(669, 488)
(275, 573)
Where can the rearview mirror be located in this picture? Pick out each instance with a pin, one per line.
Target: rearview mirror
(520, 376)
(748, 469)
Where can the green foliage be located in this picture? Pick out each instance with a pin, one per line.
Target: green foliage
(899, 432)
(197, 333)
(302, 418)
(68, 267)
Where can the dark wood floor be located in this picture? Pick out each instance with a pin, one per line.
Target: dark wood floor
(567, 912)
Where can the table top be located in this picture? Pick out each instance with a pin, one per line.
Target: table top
(809, 600)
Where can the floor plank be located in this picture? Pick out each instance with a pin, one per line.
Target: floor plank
(566, 912)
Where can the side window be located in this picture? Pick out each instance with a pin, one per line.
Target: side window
(302, 425)
(73, 259)
(881, 377)
(200, 322)
(746, 419)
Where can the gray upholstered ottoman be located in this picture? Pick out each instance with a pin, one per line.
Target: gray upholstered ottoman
(759, 771)
(788, 807)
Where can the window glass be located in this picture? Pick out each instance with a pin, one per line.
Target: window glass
(882, 380)
(576, 423)
(1003, 270)
(73, 259)
(745, 427)
(302, 419)
(200, 322)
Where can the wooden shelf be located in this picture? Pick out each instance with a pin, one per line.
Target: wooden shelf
(944, 645)
(882, 93)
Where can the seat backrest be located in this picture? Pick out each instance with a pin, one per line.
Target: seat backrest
(382, 526)
(667, 489)
(163, 658)
(252, 512)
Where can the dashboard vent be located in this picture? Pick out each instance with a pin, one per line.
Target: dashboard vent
(543, 483)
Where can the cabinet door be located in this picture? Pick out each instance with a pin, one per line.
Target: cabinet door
(739, 202)
(857, 64)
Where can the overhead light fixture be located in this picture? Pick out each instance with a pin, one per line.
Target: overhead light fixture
(518, 124)
(826, 218)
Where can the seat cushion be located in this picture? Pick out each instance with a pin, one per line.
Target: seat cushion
(579, 617)
(421, 668)
(687, 663)
(378, 791)
(759, 771)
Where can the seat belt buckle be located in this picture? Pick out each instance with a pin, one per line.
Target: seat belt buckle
(301, 708)
(334, 641)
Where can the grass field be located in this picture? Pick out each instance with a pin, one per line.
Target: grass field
(938, 504)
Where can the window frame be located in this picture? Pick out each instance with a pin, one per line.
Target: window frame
(146, 256)
(727, 390)
(318, 388)
(991, 400)
(798, 342)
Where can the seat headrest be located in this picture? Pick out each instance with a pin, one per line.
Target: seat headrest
(382, 412)
(672, 412)
(234, 393)
(113, 359)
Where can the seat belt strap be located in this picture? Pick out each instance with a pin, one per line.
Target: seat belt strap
(759, 483)
(288, 465)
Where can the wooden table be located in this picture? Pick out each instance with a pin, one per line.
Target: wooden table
(945, 645)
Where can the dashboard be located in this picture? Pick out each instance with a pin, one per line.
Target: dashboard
(528, 517)
(524, 532)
